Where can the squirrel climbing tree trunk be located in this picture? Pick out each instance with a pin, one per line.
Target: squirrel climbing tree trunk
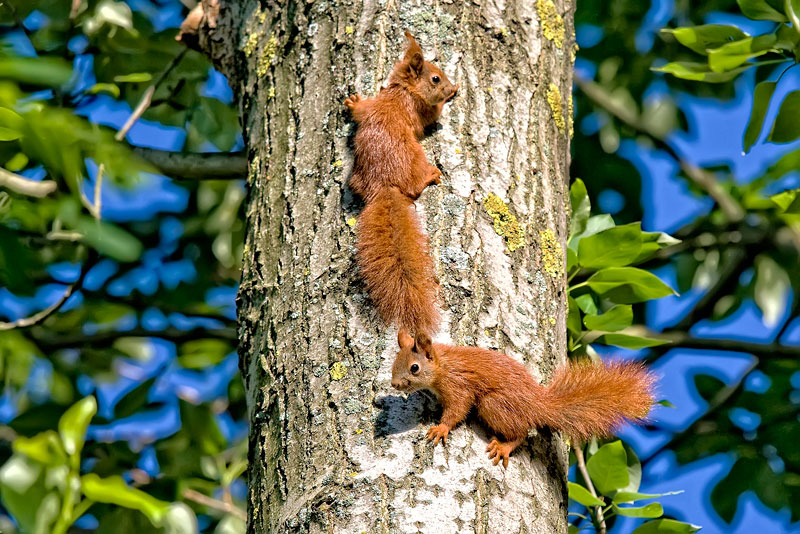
(332, 447)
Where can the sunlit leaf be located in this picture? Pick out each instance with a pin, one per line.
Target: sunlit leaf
(44, 447)
(762, 10)
(701, 38)
(581, 495)
(649, 511)
(666, 526)
(699, 72)
(613, 247)
(787, 201)
(771, 288)
(617, 318)
(632, 496)
(113, 490)
(630, 342)
(733, 54)
(73, 424)
(581, 207)
(45, 71)
(608, 468)
(628, 285)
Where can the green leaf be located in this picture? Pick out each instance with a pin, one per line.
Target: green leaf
(594, 224)
(761, 10)
(134, 400)
(632, 496)
(652, 242)
(572, 259)
(771, 287)
(786, 127)
(699, 72)
(581, 495)
(617, 318)
(44, 447)
(649, 511)
(666, 403)
(44, 71)
(630, 342)
(7, 134)
(201, 353)
(666, 526)
(628, 285)
(701, 38)
(608, 468)
(586, 304)
(73, 424)
(708, 386)
(761, 98)
(731, 55)
(25, 496)
(787, 201)
(113, 490)
(134, 77)
(581, 207)
(613, 247)
(180, 519)
(109, 239)
(108, 88)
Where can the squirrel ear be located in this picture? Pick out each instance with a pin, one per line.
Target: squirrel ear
(404, 339)
(424, 345)
(413, 55)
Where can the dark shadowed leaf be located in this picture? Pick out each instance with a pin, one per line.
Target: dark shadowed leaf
(786, 127)
(630, 342)
(581, 206)
(761, 98)
(762, 10)
(617, 318)
(666, 526)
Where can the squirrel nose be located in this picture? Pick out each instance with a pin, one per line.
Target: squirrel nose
(396, 383)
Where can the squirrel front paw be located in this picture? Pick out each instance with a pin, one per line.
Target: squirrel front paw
(499, 451)
(438, 432)
(351, 101)
(434, 176)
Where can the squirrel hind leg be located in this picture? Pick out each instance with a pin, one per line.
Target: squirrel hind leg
(501, 450)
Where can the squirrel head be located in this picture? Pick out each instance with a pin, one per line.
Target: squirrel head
(424, 80)
(413, 367)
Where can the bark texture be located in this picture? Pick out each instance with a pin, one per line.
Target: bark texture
(332, 447)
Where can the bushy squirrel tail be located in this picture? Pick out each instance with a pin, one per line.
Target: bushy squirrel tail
(395, 262)
(586, 399)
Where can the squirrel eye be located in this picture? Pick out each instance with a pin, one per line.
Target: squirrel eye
(414, 369)
(435, 79)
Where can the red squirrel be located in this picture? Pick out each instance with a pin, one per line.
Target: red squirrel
(390, 172)
(390, 125)
(583, 399)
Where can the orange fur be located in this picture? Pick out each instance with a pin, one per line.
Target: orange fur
(584, 399)
(393, 259)
(387, 149)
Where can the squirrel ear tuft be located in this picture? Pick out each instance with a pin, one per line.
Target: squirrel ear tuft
(424, 345)
(404, 339)
(413, 55)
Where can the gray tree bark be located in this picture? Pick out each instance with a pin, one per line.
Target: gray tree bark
(332, 447)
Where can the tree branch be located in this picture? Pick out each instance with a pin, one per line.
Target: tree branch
(102, 339)
(598, 513)
(147, 97)
(700, 177)
(205, 500)
(26, 186)
(197, 166)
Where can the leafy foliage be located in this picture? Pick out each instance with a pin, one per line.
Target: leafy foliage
(120, 304)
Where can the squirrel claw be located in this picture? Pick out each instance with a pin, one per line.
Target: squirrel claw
(352, 100)
(435, 433)
(498, 451)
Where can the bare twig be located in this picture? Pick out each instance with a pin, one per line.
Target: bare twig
(26, 186)
(216, 504)
(700, 177)
(76, 7)
(39, 317)
(197, 166)
(147, 97)
(598, 512)
(94, 208)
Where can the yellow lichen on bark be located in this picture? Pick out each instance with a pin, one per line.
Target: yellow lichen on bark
(552, 254)
(505, 223)
(554, 101)
(552, 23)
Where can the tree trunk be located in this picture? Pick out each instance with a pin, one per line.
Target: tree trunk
(332, 447)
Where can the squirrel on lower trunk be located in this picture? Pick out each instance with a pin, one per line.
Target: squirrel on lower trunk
(583, 399)
(390, 172)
